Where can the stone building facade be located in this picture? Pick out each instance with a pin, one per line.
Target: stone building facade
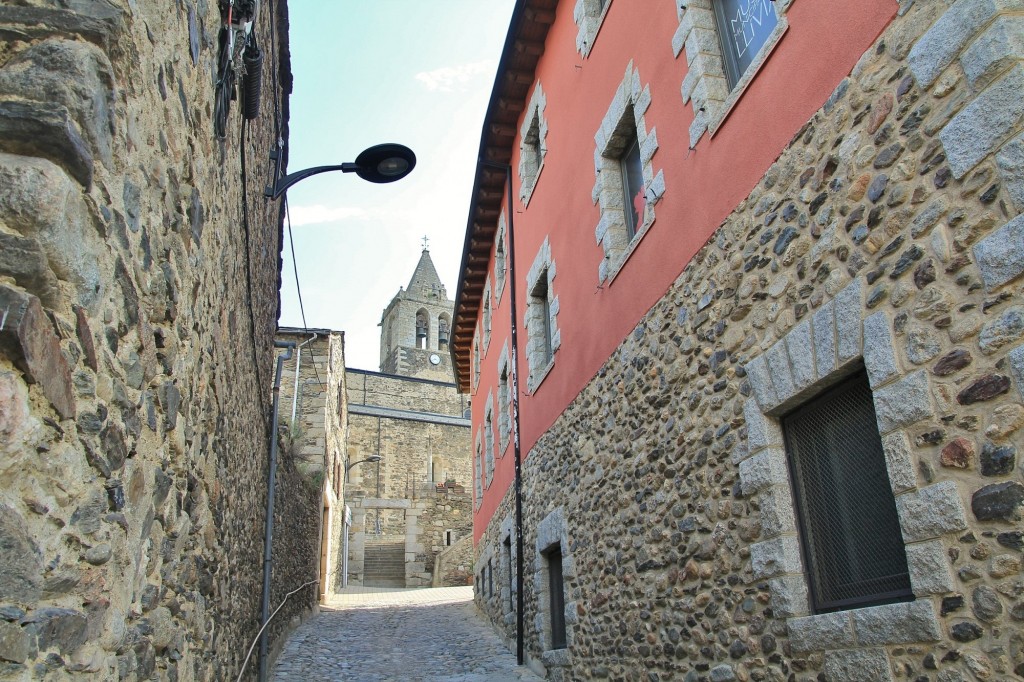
(314, 420)
(415, 328)
(138, 298)
(883, 247)
(413, 501)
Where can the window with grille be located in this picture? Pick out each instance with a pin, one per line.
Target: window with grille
(556, 596)
(852, 546)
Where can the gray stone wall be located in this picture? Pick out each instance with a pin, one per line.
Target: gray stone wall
(887, 234)
(316, 441)
(418, 523)
(135, 352)
(453, 566)
(411, 439)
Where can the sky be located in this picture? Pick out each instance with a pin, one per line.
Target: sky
(414, 72)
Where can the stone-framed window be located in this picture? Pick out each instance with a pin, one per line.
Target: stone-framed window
(486, 317)
(478, 469)
(553, 561)
(508, 590)
(820, 351)
(588, 15)
(717, 77)
(489, 440)
(532, 144)
(508, 562)
(846, 512)
(500, 258)
(618, 195)
(504, 401)
(476, 358)
(541, 323)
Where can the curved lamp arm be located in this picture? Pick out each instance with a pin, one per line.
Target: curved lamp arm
(380, 163)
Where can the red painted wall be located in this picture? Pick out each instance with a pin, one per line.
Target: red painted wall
(825, 40)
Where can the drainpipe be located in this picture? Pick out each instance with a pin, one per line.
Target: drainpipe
(268, 537)
(298, 366)
(520, 603)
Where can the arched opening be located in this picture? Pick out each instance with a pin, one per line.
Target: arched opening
(422, 329)
(444, 325)
(437, 471)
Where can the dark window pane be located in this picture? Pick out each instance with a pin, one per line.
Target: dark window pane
(556, 597)
(744, 27)
(632, 187)
(540, 298)
(851, 535)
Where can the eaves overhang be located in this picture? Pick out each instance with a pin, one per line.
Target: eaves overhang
(524, 46)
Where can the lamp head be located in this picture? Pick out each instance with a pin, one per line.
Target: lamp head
(385, 163)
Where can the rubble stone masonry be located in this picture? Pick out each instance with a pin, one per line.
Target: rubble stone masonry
(138, 291)
(887, 235)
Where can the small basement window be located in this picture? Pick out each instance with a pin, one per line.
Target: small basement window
(850, 533)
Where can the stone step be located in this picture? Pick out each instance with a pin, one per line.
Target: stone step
(384, 582)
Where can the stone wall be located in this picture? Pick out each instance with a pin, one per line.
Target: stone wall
(332, 557)
(888, 235)
(416, 426)
(421, 524)
(315, 442)
(453, 566)
(448, 519)
(138, 286)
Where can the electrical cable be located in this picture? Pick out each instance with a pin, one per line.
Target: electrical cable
(257, 638)
(298, 290)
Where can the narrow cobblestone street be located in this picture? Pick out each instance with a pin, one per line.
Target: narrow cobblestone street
(377, 634)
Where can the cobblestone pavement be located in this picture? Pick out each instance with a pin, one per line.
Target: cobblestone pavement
(377, 634)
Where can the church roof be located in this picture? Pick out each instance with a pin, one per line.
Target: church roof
(425, 283)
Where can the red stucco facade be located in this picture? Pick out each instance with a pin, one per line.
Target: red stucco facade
(823, 42)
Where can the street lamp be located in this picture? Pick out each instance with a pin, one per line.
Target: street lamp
(372, 458)
(380, 163)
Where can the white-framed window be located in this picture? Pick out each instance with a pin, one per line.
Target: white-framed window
(589, 16)
(726, 43)
(541, 323)
(626, 186)
(532, 144)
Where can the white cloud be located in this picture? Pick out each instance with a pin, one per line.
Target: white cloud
(318, 213)
(454, 78)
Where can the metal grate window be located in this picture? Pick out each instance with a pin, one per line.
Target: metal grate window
(851, 539)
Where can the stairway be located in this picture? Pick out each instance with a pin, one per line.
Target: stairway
(384, 564)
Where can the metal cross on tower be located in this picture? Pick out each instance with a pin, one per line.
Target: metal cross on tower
(424, 242)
